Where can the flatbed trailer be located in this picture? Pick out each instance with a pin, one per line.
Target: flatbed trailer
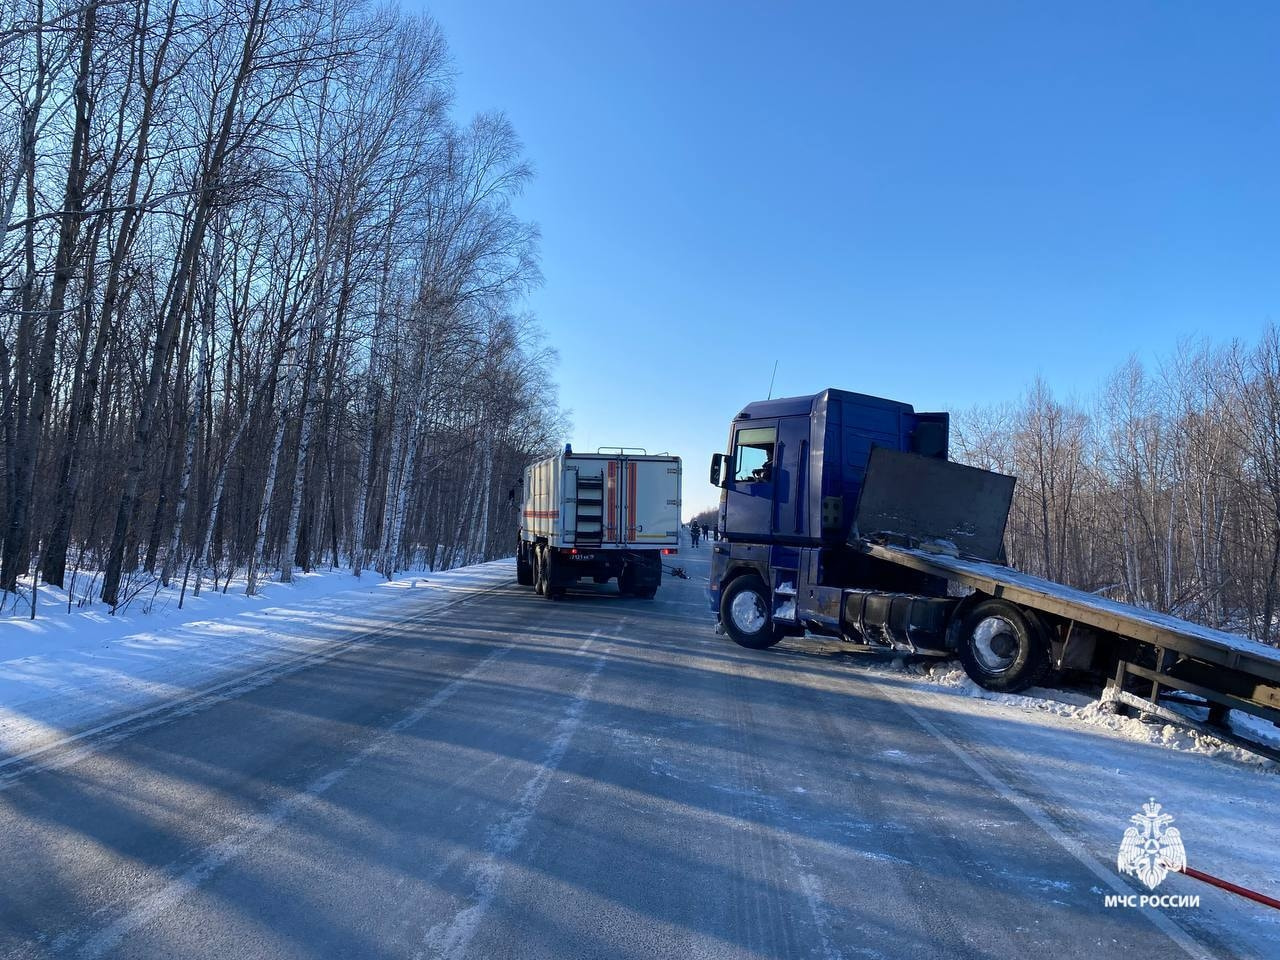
(1151, 651)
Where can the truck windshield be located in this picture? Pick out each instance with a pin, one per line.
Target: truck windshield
(753, 459)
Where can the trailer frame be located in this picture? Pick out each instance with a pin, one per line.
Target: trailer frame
(1137, 648)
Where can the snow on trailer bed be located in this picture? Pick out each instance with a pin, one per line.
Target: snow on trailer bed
(1203, 643)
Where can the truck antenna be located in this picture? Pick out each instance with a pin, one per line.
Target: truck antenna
(771, 376)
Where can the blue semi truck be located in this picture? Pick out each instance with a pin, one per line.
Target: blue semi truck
(843, 516)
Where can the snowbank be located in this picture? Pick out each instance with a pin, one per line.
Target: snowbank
(950, 677)
(68, 671)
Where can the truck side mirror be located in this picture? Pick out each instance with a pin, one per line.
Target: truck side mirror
(717, 469)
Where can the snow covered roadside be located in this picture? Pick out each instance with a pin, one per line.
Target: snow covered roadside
(1073, 706)
(1088, 772)
(67, 671)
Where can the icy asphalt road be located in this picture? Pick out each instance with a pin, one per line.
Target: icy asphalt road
(597, 777)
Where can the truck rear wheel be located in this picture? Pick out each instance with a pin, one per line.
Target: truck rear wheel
(1003, 647)
(524, 569)
(744, 611)
(539, 570)
(551, 588)
(641, 578)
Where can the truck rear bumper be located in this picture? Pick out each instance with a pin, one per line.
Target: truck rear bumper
(575, 564)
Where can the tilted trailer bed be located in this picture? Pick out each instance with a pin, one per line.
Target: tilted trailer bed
(1151, 651)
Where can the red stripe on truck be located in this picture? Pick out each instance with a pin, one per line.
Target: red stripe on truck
(631, 502)
(542, 514)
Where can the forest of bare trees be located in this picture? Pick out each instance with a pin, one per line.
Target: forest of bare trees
(1163, 490)
(259, 297)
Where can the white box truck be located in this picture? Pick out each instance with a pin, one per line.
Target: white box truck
(605, 515)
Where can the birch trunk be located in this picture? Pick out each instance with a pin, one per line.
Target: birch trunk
(197, 410)
(257, 559)
(486, 480)
(364, 481)
(307, 415)
(402, 494)
(391, 492)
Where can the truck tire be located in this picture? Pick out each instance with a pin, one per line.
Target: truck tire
(744, 611)
(627, 581)
(1002, 647)
(640, 578)
(550, 568)
(524, 569)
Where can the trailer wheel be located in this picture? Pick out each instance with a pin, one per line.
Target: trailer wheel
(524, 569)
(1002, 647)
(744, 611)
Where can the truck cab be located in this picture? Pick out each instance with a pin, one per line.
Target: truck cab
(796, 465)
(790, 482)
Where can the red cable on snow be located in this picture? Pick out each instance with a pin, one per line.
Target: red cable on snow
(1231, 887)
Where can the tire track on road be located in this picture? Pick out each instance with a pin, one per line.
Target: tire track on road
(261, 827)
(450, 940)
(69, 750)
(772, 855)
(1032, 811)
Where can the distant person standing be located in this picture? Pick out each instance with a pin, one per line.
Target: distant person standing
(694, 530)
(706, 532)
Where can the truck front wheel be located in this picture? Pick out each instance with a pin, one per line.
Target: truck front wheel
(744, 611)
(1002, 647)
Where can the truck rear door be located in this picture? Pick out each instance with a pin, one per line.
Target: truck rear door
(650, 501)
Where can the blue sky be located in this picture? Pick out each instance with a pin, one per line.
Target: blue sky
(930, 202)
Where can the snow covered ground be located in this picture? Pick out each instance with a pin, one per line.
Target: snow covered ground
(1079, 708)
(67, 671)
(1092, 770)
